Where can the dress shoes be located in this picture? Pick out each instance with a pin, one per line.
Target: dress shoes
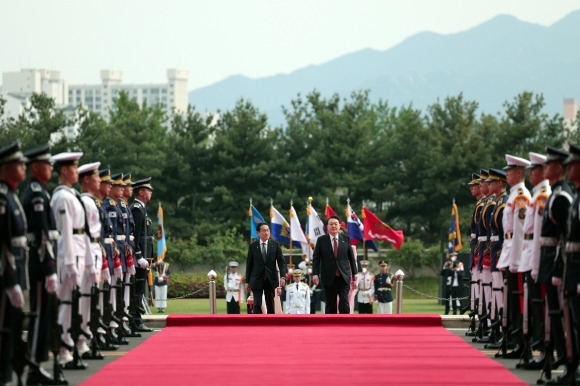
(143, 328)
(562, 379)
(90, 355)
(515, 354)
(534, 365)
(38, 376)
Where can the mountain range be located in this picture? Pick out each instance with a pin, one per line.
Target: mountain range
(490, 63)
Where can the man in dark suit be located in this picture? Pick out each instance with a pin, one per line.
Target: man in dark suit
(262, 275)
(334, 261)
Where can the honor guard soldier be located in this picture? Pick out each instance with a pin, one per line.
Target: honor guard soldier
(143, 242)
(42, 277)
(383, 285)
(162, 273)
(129, 229)
(73, 257)
(366, 290)
(531, 255)
(234, 286)
(109, 244)
(90, 184)
(297, 295)
(484, 259)
(474, 187)
(554, 228)
(514, 217)
(571, 280)
(12, 253)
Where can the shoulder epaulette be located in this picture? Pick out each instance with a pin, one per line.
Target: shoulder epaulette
(35, 186)
(123, 203)
(137, 205)
(543, 189)
(112, 202)
(520, 191)
(3, 188)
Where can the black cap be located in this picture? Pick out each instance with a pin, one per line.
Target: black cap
(144, 183)
(475, 179)
(382, 263)
(105, 175)
(555, 154)
(496, 175)
(574, 154)
(483, 174)
(12, 153)
(117, 178)
(38, 154)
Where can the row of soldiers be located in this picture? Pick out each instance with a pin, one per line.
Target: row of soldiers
(298, 298)
(525, 261)
(83, 258)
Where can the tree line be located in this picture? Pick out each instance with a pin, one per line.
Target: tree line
(405, 164)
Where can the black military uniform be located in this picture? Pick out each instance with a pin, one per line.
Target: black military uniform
(42, 239)
(143, 245)
(383, 290)
(13, 259)
(554, 228)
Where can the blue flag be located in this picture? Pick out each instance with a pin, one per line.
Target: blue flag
(454, 232)
(255, 219)
(161, 244)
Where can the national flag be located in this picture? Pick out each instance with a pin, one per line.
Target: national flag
(314, 225)
(454, 232)
(356, 229)
(255, 219)
(280, 228)
(328, 212)
(161, 243)
(297, 233)
(375, 229)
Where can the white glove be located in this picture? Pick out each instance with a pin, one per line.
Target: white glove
(513, 270)
(118, 272)
(142, 263)
(106, 275)
(51, 283)
(92, 272)
(73, 273)
(15, 296)
(534, 275)
(556, 281)
(131, 270)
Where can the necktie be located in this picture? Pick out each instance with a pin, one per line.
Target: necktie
(296, 286)
(264, 251)
(335, 247)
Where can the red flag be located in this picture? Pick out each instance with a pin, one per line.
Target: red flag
(375, 229)
(329, 212)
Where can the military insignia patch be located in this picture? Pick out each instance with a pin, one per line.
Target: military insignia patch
(541, 211)
(522, 214)
(35, 186)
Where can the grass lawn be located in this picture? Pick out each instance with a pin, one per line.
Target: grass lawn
(201, 306)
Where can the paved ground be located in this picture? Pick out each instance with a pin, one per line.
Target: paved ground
(457, 325)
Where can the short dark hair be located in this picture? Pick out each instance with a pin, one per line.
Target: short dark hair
(331, 217)
(260, 225)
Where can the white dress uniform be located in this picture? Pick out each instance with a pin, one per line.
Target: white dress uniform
(234, 287)
(533, 225)
(366, 288)
(73, 249)
(513, 226)
(297, 298)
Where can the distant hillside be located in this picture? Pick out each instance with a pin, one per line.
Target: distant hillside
(490, 63)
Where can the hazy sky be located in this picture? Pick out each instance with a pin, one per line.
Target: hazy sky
(215, 39)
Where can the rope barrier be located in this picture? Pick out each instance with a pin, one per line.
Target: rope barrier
(433, 297)
(191, 293)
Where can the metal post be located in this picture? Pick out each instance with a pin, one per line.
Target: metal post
(399, 275)
(212, 292)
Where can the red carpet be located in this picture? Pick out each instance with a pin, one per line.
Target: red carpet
(304, 350)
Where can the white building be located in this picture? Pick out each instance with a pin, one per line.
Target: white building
(171, 96)
(18, 87)
(570, 113)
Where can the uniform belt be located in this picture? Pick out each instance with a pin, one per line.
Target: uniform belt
(108, 240)
(149, 237)
(548, 241)
(473, 235)
(52, 235)
(494, 238)
(528, 236)
(482, 238)
(19, 241)
(131, 237)
(95, 240)
(508, 235)
(573, 246)
(384, 289)
(78, 231)
(121, 237)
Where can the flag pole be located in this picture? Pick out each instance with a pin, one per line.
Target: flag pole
(250, 214)
(290, 214)
(364, 240)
